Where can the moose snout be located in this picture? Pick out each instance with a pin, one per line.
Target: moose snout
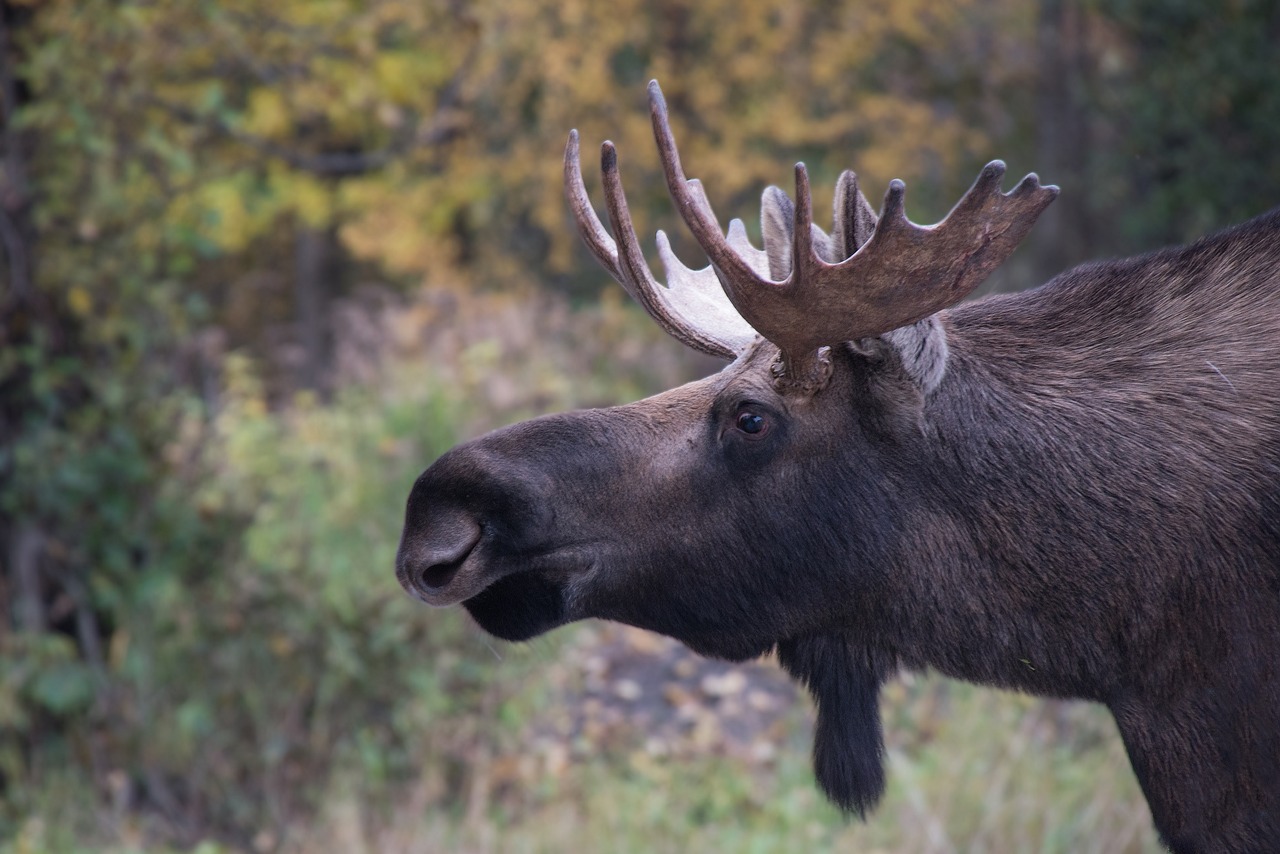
(431, 563)
(470, 502)
(480, 510)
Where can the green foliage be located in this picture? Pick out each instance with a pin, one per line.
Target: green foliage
(289, 652)
(247, 635)
(41, 672)
(1195, 89)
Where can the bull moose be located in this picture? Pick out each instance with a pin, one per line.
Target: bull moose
(1072, 491)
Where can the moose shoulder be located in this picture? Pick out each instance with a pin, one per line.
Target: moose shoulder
(1084, 476)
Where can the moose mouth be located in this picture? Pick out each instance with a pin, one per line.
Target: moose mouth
(521, 605)
(512, 596)
(514, 606)
(534, 593)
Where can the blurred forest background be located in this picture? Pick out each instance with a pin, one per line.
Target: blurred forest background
(263, 261)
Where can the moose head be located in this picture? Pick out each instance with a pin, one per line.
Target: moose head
(879, 480)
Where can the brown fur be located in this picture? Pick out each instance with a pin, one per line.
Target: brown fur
(1093, 486)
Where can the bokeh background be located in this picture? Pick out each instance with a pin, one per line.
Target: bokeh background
(262, 262)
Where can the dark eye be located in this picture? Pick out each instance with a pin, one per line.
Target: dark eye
(751, 423)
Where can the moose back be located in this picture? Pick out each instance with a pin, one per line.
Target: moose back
(1084, 477)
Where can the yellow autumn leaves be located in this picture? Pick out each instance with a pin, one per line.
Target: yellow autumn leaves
(415, 128)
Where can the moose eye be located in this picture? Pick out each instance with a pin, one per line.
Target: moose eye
(751, 423)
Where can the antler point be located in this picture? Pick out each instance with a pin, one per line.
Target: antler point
(991, 176)
(894, 204)
(802, 177)
(657, 102)
(608, 156)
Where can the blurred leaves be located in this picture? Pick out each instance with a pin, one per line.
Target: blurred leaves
(41, 672)
(173, 131)
(1195, 90)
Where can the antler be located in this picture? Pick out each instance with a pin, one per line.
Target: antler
(693, 309)
(903, 273)
(886, 273)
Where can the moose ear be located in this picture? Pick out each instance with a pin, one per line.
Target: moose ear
(777, 227)
(854, 218)
(920, 350)
(848, 746)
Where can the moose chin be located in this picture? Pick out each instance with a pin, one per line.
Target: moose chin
(1084, 476)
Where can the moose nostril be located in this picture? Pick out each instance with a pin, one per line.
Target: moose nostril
(433, 552)
(439, 575)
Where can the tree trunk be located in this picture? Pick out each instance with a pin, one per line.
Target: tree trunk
(313, 285)
(17, 228)
(21, 539)
(26, 544)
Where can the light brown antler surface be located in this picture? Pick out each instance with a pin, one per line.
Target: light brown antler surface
(902, 273)
(693, 308)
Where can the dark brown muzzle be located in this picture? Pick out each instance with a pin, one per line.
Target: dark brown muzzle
(471, 514)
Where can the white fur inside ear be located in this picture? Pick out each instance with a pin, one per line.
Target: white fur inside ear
(922, 348)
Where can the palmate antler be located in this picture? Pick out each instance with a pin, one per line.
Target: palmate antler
(901, 274)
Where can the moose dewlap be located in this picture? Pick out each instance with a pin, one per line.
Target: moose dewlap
(1085, 475)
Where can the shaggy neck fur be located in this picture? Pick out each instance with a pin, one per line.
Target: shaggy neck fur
(1112, 443)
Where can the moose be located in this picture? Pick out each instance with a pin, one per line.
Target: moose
(1071, 491)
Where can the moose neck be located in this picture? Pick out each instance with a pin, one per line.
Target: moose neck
(1089, 520)
(1010, 567)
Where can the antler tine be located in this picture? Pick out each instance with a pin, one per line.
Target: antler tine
(633, 269)
(722, 333)
(802, 233)
(694, 207)
(590, 229)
